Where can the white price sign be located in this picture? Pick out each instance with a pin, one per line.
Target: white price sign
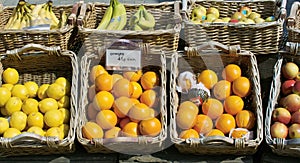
(123, 59)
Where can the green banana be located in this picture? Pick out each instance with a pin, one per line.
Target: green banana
(148, 20)
(119, 18)
(136, 27)
(134, 19)
(106, 17)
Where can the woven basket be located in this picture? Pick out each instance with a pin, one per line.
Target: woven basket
(164, 37)
(199, 61)
(262, 38)
(128, 145)
(293, 23)
(285, 147)
(42, 65)
(12, 39)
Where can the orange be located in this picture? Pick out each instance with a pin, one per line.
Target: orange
(222, 89)
(121, 106)
(116, 77)
(189, 133)
(91, 112)
(233, 104)
(134, 101)
(92, 130)
(149, 80)
(106, 119)
(239, 133)
(149, 98)
(231, 72)
(96, 71)
(215, 132)
(225, 123)
(188, 105)
(130, 130)
(122, 87)
(103, 82)
(112, 133)
(245, 119)
(103, 100)
(140, 112)
(133, 76)
(91, 92)
(203, 124)
(212, 108)
(150, 127)
(124, 121)
(208, 77)
(137, 90)
(241, 86)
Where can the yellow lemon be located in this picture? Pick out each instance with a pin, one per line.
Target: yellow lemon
(5, 94)
(35, 119)
(55, 91)
(32, 88)
(64, 102)
(13, 104)
(10, 76)
(53, 118)
(18, 120)
(30, 105)
(8, 86)
(65, 114)
(11, 132)
(20, 91)
(55, 132)
(65, 83)
(36, 130)
(65, 128)
(41, 93)
(48, 104)
(4, 125)
(3, 111)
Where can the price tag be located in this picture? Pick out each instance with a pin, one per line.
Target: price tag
(121, 59)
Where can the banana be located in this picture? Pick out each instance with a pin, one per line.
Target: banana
(147, 21)
(136, 27)
(52, 15)
(13, 17)
(119, 18)
(134, 19)
(63, 19)
(36, 10)
(106, 17)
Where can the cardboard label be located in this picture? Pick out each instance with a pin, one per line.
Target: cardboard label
(119, 59)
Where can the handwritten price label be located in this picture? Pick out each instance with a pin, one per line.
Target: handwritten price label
(123, 59)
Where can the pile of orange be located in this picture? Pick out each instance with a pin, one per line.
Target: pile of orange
(122, 104)
(223, 111)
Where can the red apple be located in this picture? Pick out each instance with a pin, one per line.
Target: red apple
(290, 70)
(291, 102)
(281, 115)
(295, 117)
(296, 88)
(294, 131)
(287, 86)
(234, 21)
(279, 130)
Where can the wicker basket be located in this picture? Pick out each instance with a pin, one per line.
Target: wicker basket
(164, 37)
(127, 145)
(199, 61)
(293, 23)
(42, 65)
(262, 38)
(285, 147)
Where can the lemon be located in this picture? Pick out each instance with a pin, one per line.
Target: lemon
(32, 88)
(13, 104)
(64, 102)
(30, 105)
(20, 91)
(36, 130)
(10, 76)
(53, 118)
(4, 96)
(65, 114)
(4, 125)
(35, 119)
(3, 111)
(55, 91)
(65, 128)
(8, 86)
(55, 132)
(48, 104)
(11, 132)
(65, 83)
(18, 120)
(41, 93)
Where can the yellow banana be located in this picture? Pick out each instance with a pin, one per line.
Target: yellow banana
(147, 21)
(36, 10)
(119, 18)
(106, 17)
(52, 15)
(13, 17)
(63, 19)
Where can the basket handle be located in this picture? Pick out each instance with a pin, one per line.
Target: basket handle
(291, 19)
(73, 15)
(82, 13)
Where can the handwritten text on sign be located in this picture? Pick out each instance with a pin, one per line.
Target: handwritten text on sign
(124, 59)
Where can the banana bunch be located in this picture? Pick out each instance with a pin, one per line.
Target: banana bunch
(115, 17)
(142, 20)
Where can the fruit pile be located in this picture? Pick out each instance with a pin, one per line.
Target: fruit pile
(211, 15)
(124, 104)
(224, 113)
(28, 107)
(286, 116)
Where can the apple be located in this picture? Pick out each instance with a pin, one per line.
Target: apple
(211, 17)
(296, 88)
(259, 20)
(270, 19)
(218, 21)
(245, 10)
(279, 130)
(226, 19)
(234, 21)
(249, 21)
(291, 102)
(238, 16)
(254, 15)
(290, 70)
(199, 13)
(287, 86)
(294, 131)
(295, 117)
(297, 77)
(196, 20)
(281, 115)
(213, 10)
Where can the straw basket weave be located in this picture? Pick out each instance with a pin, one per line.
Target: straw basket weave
(128, 145)
(165, 35)
(293, 23)
(199, 61)
(42, 65)
(262, 38)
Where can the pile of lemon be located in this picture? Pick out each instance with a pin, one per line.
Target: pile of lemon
(28, 107)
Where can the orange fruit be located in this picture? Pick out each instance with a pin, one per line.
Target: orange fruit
(96, 71)
(130, 130)
(149, 80)
(215, 132)
(222, 89)
(233, 104)
(149, 98)
(116, 77)
(91, 112)
(140, 112)
(188, 105)
(91, 92)
(189, 133)
(106, 119)
(122, 87)
(112, 133)
(134, 101)
(225, 123)
(133, 76)
(104, 82)
(203, 124)
(245, 119)
(137, 90)
(124, 121)
(212, 108)
(208, 77)
(121, 106)
(103, 100)
(239, 133)
(231, 72)
(92, 130)
(150, 127)
(241, 86)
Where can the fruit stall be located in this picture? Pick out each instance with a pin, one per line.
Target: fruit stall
(149, 81)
